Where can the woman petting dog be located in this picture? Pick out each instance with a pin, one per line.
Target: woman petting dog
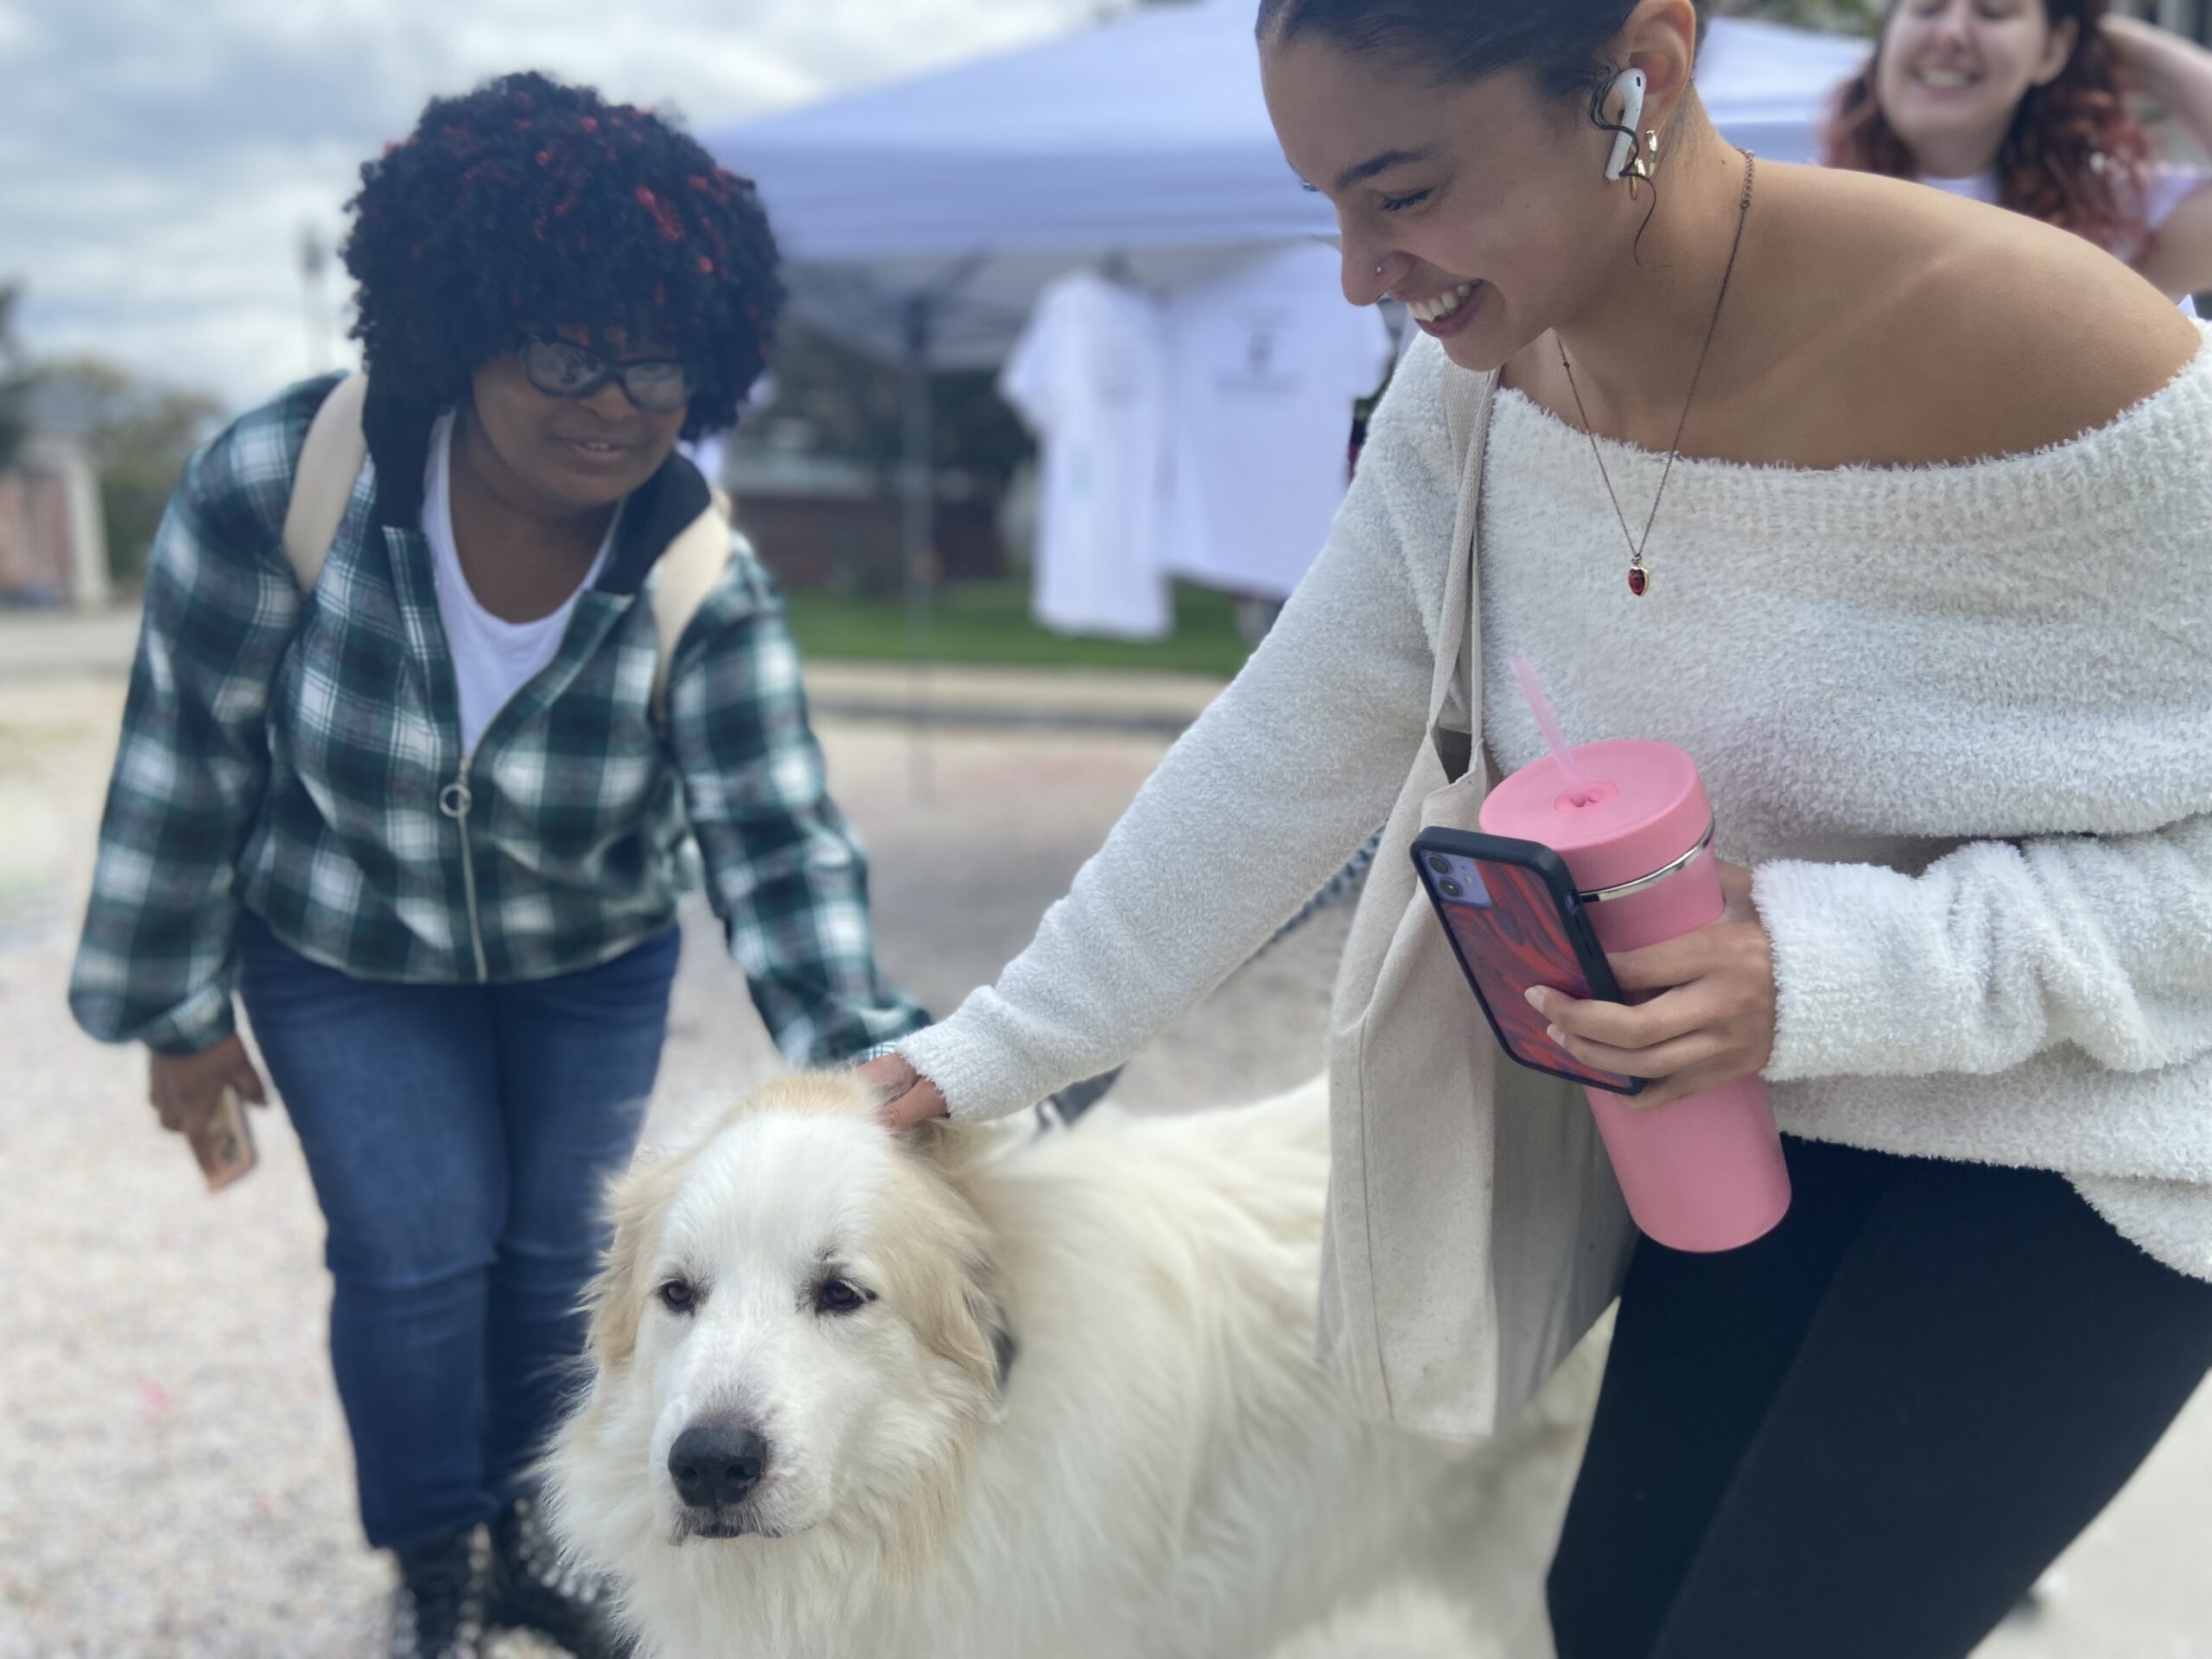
(1923, 490)
(419, 791)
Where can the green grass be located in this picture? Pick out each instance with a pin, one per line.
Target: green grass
(977, 623)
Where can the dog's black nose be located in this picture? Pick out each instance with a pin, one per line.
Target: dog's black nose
(716, 1463)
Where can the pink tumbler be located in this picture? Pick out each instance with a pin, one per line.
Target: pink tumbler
(1704, 1173)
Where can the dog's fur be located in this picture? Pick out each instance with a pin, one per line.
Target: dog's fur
(1079, 1416)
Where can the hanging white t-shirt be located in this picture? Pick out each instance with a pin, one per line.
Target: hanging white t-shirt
(492, 659)
(1268, 361)
(2165, 189)
(1089, 376)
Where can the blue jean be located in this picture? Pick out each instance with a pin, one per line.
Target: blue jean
(458, 1137)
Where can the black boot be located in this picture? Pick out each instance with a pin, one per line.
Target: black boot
(438, 1611)
(533, 1589)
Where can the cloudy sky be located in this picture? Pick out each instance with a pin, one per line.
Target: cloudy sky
(159, 159)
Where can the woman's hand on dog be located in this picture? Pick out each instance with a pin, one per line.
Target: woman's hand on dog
(184, 1088)
(907, 1095)
(1709, 1018)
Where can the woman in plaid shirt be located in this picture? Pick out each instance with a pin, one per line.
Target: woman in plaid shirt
(430, 819)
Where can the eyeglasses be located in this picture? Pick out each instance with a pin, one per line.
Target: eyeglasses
(561, 368)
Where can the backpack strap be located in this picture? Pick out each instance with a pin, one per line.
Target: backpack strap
(331, 460)
(322, 484)
(682, 577)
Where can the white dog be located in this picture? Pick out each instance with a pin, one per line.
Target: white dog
(855, 1394)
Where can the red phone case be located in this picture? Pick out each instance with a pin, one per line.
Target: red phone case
(1532, 932)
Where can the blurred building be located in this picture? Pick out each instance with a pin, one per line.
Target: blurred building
(52, 534)
(826, 522)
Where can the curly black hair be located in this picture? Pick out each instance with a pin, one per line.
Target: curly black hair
(531, 204)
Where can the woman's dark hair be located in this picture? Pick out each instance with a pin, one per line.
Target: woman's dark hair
(2075, 158)
(529, 203)
(1558, 41)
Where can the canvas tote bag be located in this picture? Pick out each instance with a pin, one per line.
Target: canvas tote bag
(1475, 1231)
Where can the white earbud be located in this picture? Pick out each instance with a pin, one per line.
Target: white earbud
(1630, 84)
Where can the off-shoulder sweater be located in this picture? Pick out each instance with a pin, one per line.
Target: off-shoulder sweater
(1958, 718)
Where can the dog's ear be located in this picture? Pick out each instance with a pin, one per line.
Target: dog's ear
(615, 1298)
(964, 1315)
(944, 1259)
(966, 1322)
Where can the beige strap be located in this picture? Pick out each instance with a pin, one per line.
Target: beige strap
(331, 460)
(322, 484)
(1455, 632)
(682, 577)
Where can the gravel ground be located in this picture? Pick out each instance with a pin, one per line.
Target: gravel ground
(174, 1482)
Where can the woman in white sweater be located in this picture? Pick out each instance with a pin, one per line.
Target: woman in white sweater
(1928, 597)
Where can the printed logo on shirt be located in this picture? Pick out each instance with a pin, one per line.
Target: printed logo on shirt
(1262, 371)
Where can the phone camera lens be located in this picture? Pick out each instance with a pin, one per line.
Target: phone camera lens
(1452, 889)
(1441, 864)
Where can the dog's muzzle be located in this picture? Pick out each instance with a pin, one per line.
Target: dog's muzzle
(716, 1465)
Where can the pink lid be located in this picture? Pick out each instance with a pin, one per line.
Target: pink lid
(1646, 808)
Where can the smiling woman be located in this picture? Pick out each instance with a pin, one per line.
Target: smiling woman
(427, 819)
(1911, 497)
(2024, 103)
(479, 237)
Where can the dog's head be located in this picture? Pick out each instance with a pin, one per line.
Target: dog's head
(798, 1320)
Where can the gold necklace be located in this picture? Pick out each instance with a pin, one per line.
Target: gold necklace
(1639, 578)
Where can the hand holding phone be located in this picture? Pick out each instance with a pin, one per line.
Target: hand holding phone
(1511, 911)
(202, 1096)
(224, 1141)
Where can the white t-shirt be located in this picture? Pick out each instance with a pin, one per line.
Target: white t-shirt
(1267, 363)
(2165, 189)
(492, 659)
(1089, 376)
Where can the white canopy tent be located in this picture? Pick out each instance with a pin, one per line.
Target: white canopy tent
(1145, 138)
(922, 218)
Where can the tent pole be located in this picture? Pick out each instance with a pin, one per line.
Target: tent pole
(918, 531)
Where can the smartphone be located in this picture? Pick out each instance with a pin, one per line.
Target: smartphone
(1511, 911)
(225, 1143)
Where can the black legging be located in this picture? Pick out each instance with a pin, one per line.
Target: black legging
(1866, 1435)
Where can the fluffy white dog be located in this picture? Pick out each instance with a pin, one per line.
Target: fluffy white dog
(949, 1394)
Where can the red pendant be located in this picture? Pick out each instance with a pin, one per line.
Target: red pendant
(1639, 580)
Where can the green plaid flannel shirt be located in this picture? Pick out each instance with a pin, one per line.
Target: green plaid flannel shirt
(300, 757)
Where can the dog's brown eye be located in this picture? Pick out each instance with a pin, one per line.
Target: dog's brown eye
(836, 1296)
(677, 1297)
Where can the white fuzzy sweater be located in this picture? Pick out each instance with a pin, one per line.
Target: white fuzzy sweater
(1959, 719)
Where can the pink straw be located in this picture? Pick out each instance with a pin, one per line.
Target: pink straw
(1547, 723)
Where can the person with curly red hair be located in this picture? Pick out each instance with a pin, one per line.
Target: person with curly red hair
(2024, 103)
